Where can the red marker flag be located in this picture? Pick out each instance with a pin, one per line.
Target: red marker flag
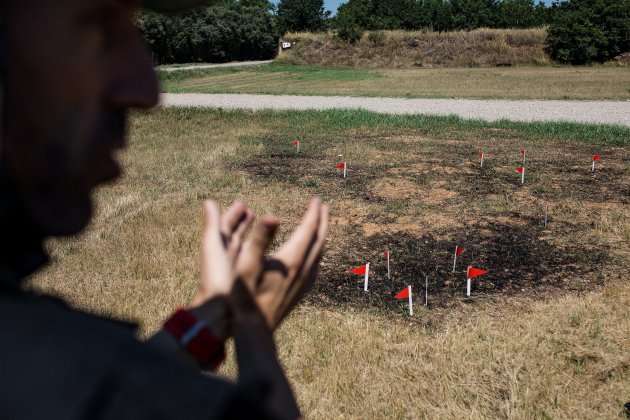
(458, 250)
(595, 159)
(522, 152)
(359, 270)
(364, 269)
(295, 143)
(343, 166)
(386, 254)
(481, 157)
(474, 272)
(406, 293)
(520, 169)
(471, 273)
(403, 294)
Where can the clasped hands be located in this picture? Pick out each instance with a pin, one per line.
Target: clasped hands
(241, 271)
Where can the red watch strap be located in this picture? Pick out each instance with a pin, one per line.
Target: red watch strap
(195, 336)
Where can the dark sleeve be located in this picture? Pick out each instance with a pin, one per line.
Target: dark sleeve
(57, 363)
(153, 388)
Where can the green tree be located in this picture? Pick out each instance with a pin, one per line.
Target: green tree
(229, 31)
(472, 14)
(354, 13)
(519, 14)
(348, 29)
(585, 31)
(435, 14)
(302, 15)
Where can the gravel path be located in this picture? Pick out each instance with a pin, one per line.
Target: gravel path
(216, 66)
(599, 112)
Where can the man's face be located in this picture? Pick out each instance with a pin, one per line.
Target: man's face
(74, 69)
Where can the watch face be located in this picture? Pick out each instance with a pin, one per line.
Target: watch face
(194, 336)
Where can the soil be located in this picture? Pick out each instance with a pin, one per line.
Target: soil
(432, 195)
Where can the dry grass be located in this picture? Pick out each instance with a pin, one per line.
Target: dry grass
(546, 352)
(401, 49)
(568, 358)
(573, 83)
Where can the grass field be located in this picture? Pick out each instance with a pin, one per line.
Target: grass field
(574, 83)
(546, 333)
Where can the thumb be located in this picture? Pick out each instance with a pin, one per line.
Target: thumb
(211, 220)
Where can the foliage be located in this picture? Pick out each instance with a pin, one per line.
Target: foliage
(441, 15)
(520, 14)
(472, 14)
(348, 29)
(302, 15)
(585, 31)
(229, 31)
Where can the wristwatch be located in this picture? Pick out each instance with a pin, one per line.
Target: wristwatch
(194, 335)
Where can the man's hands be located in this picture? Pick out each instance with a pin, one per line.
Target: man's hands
(276, 283)
(220, 246)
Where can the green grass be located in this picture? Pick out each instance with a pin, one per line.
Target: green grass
(328, 121)
(291, 73)
(563, 83)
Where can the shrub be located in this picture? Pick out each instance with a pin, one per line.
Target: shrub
(376, 37)
(348, 30)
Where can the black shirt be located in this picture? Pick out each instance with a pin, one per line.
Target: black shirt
(59, 363)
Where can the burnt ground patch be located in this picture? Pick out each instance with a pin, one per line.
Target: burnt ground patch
(517, 256)
(419, 197)
(313, 167)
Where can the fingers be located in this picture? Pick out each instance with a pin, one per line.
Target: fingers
(297, 246)
(233, 218)
(236, 240)
(212, 222)
(263, 235)
(311, 261)
(316, 250)
(259, 243)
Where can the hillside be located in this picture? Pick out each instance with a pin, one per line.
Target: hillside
(400, 49)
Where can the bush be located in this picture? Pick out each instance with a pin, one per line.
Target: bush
(376, 37)
(586, 31)
(348, 30)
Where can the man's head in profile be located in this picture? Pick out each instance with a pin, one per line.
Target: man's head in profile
(73, 69)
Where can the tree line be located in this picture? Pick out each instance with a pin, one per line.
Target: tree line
(441, 15)
(231, 30)
(580, 31)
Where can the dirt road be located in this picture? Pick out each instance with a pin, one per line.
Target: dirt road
(599, 112)
(215, 66)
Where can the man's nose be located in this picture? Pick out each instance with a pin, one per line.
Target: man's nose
(135, 84)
